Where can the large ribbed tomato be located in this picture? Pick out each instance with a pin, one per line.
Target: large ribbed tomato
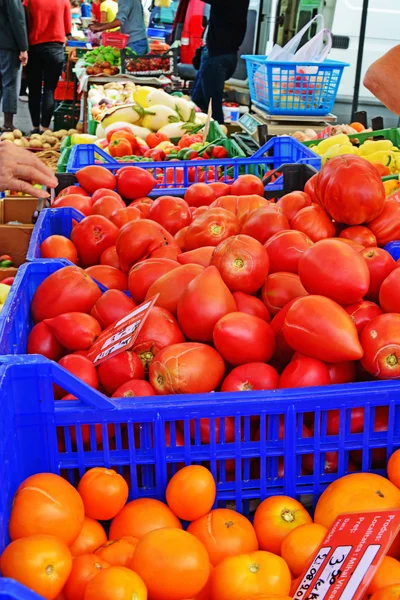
(265, 222)
(380, 340)
(92, 236)
(172, 213)
(138, 240)
(284, 250)
(386, 226)
(314, 221)
(290, 204)
(211, 228)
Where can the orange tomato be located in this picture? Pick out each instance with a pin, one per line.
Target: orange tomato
(359, 127)
(116, 582)
(275, 518)
(382, 169)
(224, 532)
(191, 492)
(250, 576)
(172, 563)
(92, 536)
(141, 516)
(84, 568)
(300, 545)
(118, 552)
(391, 592)
(40, 562)
(388, 573)
(393, 468)
(47, 504)
(104, 493)
(355, 493)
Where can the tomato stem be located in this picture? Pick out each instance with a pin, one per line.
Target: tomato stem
(239, 263)
(215, 229)
(254, 568)
(49, 570)
(392, 360)
(288, 515)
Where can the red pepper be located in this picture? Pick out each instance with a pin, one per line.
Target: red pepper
(189, 139)
(5, 257)
(111, 133)
(219, 152)
(8, 280)
(153, 139)
(119, 148)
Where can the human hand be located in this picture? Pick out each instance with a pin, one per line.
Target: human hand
(95, 27)
(23, 57)
(18, 166)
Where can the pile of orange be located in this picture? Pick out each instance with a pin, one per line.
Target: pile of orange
(61, 551)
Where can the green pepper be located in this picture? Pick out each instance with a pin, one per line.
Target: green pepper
(173, 156)
(190, 154)
(4, 264)
(181, 153)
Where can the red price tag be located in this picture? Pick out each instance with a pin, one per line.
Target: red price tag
(325, 133)
(349, 556)
(121, 335)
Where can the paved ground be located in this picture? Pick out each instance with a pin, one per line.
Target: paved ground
(22, 119)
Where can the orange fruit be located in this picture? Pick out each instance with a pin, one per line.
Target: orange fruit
(92, 536)
(191, 492)
(172, 563)
(104, 493)
(224, 532)
(116, 582)
(355, 493)
(141, 516)
(118, 552)
(47, 504)
(40, 562)
(84, 568)
(252, 575)
(393, 468)
(301, 544)
(359, 127)
(388, 573)
(275, 518)
(391, 592)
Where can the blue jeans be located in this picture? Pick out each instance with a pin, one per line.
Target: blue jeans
(140, 47)
(9, 67)
(210, 81)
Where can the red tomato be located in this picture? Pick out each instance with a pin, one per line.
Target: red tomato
(279, 289)
(95, 177)
(264, 223)
(172, 213)
(172, 285)
(75, 330)
(196, 211)
(110, 277)
(309, 187)
(252, 376)
(241, 206)
(92, 236)
(386, 226)
(290, 204)
(187, 368)
(251, 305)
(342, 372)
(220, 189)
(314, 222)
(58, 246)
(122, 216)
(67, 290)
(200, 194)
(143, 205)
(110, 257)
(137, 240)
(77, 201)
(389, 298)
(106, 206)
(42, 340)
(200, 430)
(357, 247)
(204, 301)
(159, 331)
(334, 270)
(351, 190)
(105, 192)
(153, 139)
(82, 368)
(247, 184)
(112, 306)
(283, 352)
(211, 228)
(313, 320)
(362, 312)
(145, 273)
(241, 338)
(171, 252)
(72, 189)
(242, 262)
(133, 388)
(200, 256)
(304, 372)
(284, 250)
(378, 455)
(335, 421)
(361, 235)
(180, 238)
(133, 183)
(119, 369)
(380, 264)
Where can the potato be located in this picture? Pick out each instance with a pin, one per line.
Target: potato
(25, 142)
(49, 139)
(71, 131)
(7, 135)
(35, 143)
(45, 145)
(36, 136)
(17, 134)
(61, 133)
(18, 143)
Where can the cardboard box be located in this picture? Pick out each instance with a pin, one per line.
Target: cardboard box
(10, 272)
(14, 240)
(17, 208)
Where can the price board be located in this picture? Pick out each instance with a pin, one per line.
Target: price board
(349, 556)
(120, 336)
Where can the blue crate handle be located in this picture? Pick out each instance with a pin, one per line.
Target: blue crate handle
(11, 590)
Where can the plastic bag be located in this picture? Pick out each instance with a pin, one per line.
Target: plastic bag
(315, 50)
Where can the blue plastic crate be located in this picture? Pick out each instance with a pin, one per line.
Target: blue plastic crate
(181, 174)
(394, 249)
(290, 88)
(11, 590)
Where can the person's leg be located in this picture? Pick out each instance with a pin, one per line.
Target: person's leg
(217, 70)
(34, 72)
(197, 93)
(23, 91)
(53, 62)
(9, 74)
(141, 47)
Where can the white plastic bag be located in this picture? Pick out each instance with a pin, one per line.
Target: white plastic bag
(315, 50)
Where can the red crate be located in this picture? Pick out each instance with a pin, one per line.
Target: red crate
(65, 91)
(117, 40)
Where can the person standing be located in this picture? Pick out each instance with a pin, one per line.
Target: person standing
(49, 24)
(130, 19)
(226, 31)
(13, 53)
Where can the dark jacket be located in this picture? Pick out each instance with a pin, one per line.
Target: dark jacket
(13, 35)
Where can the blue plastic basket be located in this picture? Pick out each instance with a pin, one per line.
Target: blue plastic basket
(289, 88)
(182, 174)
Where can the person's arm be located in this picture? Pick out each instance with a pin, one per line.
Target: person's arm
(98, 27)
(67, 18)
(382, 81)
(17, 19)
(19, 168)
(103, 16)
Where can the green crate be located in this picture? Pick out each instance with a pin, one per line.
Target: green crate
(63, 160)
(80, 52)
(388, 134)
(92, 124)
(66, 143)
(66, 116)
(230, 145)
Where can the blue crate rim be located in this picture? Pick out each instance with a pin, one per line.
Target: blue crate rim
(277, 63)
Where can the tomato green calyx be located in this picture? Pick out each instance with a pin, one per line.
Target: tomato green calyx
(146, 358)
(215, 229)
(247, 386)
(49, 570)
(254, 568)
(288, 515)
(239, 263)
(392, 360)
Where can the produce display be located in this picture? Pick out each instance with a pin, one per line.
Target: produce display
(103, 60)
(44, 141)
(309, 134)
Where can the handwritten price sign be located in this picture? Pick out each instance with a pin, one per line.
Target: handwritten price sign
(349, 556)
